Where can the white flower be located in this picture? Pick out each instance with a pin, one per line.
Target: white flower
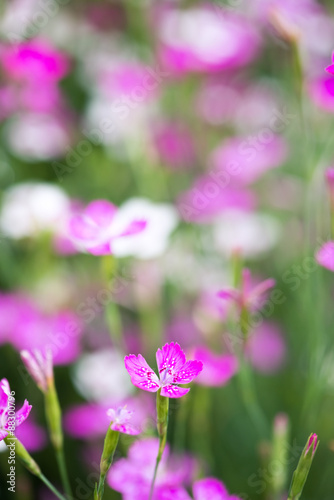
(37, 136)
(30, 208)
(101, 376)
(161, 220)
(251, 234)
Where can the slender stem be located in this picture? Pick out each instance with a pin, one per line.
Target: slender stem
(162, 444)
(100, 488)
(63, 471)
(51, 487)
(249, 397)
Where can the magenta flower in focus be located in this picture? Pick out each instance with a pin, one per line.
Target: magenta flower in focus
(249, 297)
(9, 417)
(39, 366)
(95, 229)
(120, 421)
(173, 369)
(325, 255)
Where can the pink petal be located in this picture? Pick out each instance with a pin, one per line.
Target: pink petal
(171, 357)
(82, 228)
(174, 494)
(102, 249)
(330, 69)
(228, 294)
(209, 489)
(23, 413)
(188, 372)
(135, 227)
(173, 391)
(101, 212)
(141, 374)
(4, 392)
(325, 255)
(125, 429)
(217, 369)
(263, 287)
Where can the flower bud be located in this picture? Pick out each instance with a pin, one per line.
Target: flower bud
(303, 468)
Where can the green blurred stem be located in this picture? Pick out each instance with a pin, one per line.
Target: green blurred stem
(249, 397)
(51, 487)
(63, 471)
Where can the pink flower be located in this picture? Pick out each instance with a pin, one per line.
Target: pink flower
(210, 196)
(34, 60)
(217, 369)
(249, 297)
(173, 369)
(208, 488)
(9, 418)
(211, 488)
(224, 43)
(266, 348)
(174, 145)
(89, 421)
(59, 332)
(132, 476)
(120, 421)
(245, 159)
(325, 255)
(39, 366)
(330, 68)
(97, 227)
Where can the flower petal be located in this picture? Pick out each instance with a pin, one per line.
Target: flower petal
(170, 357)
(141, 374)
(325, 255)
(210, 489)
(188, 372)
(101, 212)
(23, 413)
(173, 391)
(125, 429)
(4, 393)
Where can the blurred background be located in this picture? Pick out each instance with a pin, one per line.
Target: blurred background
(213, 122)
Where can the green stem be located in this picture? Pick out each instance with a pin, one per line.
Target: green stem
(162, 425)
(110, 445)
(250, 399)
(63, 471)
(51, 487)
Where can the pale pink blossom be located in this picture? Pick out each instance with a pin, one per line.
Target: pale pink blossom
(266, 348)
(120, 418)
(97, 227)
(39, 366)
(249, 296)
(228, 40)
